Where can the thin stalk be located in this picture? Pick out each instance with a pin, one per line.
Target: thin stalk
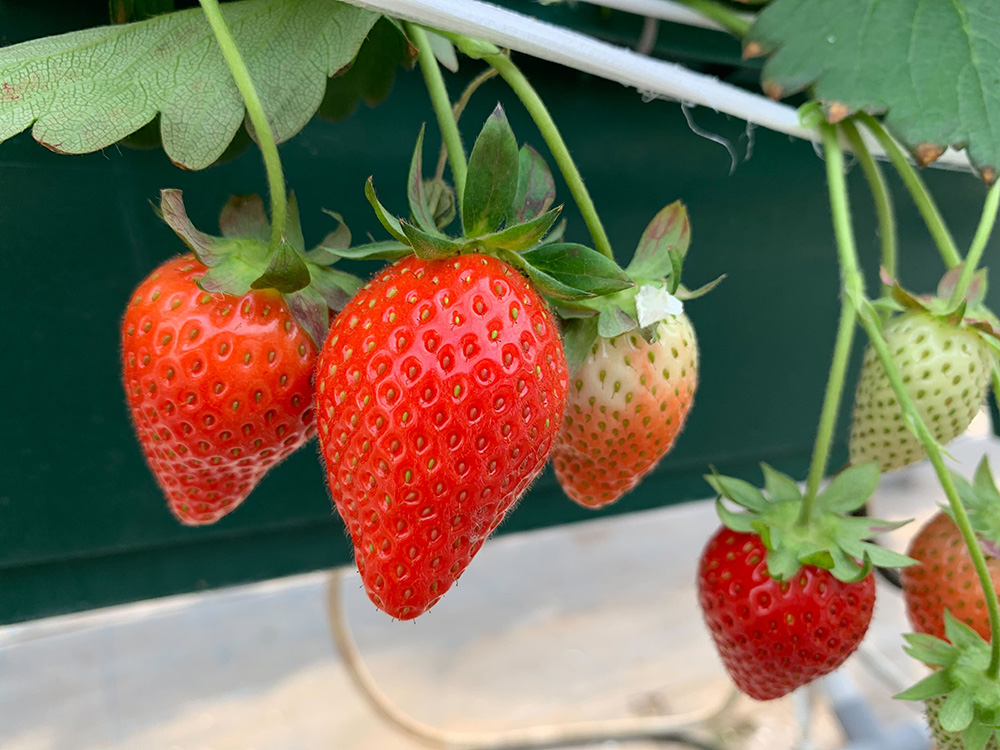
(870, 322)
(261, 125)
(880, 195)
(553, 139)
(442, 107)
(729, 20)
(459, 108)
(921, 196)
(983, 232)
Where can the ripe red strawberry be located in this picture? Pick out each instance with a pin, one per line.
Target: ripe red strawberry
(440, 391)
(218, 386)
(774, 636)
(627, 403)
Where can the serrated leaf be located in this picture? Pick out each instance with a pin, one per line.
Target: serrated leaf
(232, 276)
(957, 711)
(579, 267)
(420, 208)
(335, 287)
(935, 684)
(930, 650)
(519, 237)
(385, 250)
(492, 177)
(386, 219)
(287, 271)
(85, 90)
(932, 67)
(311, 312)
(740, 492)
(578, 340)
(851, 488)
(669, 230)
(429, 246)
(244, 216)
(780, 487)
(443, 50)
(614, 321)
(536, 190)
(742, 522)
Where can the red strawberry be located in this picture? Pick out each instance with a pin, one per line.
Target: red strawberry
(218, 385)
(774, 636)
(440, 390)
(627, 404)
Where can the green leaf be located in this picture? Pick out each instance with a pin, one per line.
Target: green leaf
(850, 489)
(335, 287)
(243, 216)
(518, 237)
(390, 222)
(287, 272)
(780, 487)
(957, 711)
(429, 246)
(614, 321)
(211, 251)
(930, 650)
(293, 226)
(443, 50)
(578, 267)
(386, 250)
(961, 634)
(492, 177)
(369, 78)
(932, 67)
(935, 684)
(420, 208)
(782, 564)
(232, 276)
(579, 336)
(976, 735)
(329, 250)
(742, 522)
(536, 190)
(311, 312)
(441, 201)
(669, 230)
(742, 493)
(882, 557)
(85, 90)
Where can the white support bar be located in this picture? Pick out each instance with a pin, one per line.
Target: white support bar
(666, 10)
(522, 33)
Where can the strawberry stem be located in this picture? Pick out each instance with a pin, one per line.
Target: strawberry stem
(553, 139)
(854, 289)
(261, 125)
(438, 93)
(734, 23)
(921, 196)
(983, 232)
(880, 195)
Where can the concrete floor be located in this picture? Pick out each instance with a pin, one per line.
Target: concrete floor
(593, 621)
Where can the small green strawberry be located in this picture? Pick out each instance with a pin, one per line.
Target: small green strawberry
(945, 359)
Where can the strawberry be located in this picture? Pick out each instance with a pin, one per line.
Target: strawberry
(774, 636)
(627, 404)
(946, 366)
(945, 579)
(440, 391)
(943, 739)
(218, 387)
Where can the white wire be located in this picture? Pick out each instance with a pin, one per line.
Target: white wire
(507, 28)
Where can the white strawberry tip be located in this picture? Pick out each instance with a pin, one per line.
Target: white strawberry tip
(653, 304)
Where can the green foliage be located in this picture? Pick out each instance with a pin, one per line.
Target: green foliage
(493, 175)
(931, 67)
(85, 90)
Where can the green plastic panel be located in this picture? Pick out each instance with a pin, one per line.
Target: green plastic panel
(82, 524)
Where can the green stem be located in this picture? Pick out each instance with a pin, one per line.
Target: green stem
(728, 19)
(261, 125)
(921, 196)
(870, 322)
(550, 133)
(880, 195)
(442, 108)
(983, 232)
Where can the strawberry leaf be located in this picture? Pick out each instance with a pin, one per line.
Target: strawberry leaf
(293, 226)
(519, 237)
(441, 201)
(935, 684)
(390, 222)
(232, 276)
(961, 634)
(335, 287)
(242, 216)
(287, 271)
(329, 250)
(957, 711)
(386, 250)
(850, 489)
(123, 75)
(782, 563)
(578, 340)
(578, 267)
(443, 50)
(310, 310)
(211, 251)
(536, 190)
(420, 209)
(669, 231)
(976, 735)
(428, 246)
(931, 67)
(780, 487)
(740, 492)
(492, 178)
(614, 321)
(736, 521)
(930, 650)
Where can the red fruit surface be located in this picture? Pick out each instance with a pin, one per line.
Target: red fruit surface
(627, 404)
(775, 636)
(440, 391)
(218, 387)
(945, 580)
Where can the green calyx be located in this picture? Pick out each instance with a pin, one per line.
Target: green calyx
(833, 539)
(506, 211)
(971, 705)
(982, 503)
(242, 258)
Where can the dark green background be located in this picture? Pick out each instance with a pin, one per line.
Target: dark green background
(82, 523)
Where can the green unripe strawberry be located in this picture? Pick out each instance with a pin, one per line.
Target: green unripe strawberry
(946, 369)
